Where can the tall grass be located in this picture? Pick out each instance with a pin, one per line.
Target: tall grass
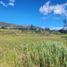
(44, 55)
(40, 54)
(32, 50)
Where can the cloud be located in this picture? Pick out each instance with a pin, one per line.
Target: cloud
(46, 18)
(59, 9)
(45, 8)
(56, 28)
(11, 2)
(2, 3)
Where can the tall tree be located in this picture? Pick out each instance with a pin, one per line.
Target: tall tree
(65, 24)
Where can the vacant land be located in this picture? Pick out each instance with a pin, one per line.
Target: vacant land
(20, 49)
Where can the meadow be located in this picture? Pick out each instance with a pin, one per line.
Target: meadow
(20, 49)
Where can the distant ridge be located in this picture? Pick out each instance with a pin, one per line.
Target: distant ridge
(14, 26)
(5, 24)
(10, 26)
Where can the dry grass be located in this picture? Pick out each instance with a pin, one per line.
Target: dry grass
(19, 49)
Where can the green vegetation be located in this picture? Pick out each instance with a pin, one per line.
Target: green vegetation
(21, 49)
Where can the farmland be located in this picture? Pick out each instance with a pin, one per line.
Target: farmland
(20, 49)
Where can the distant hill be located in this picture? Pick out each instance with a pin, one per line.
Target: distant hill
(14, 26)
(4, 24)
(7, 25)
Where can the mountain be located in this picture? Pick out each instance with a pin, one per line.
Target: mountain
(14, 26)
(7, 25)
(4, 25)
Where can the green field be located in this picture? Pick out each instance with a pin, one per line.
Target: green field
(20, 49)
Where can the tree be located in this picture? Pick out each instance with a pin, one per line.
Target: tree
(64, 30)
(65, 24)
(3, 27)
(32, 27)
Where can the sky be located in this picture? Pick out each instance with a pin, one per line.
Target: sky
(42, 13)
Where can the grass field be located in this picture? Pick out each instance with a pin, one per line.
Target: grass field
(19, 49)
